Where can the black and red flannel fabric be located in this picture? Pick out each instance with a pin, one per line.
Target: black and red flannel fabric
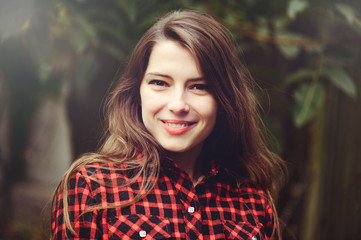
(175, 209)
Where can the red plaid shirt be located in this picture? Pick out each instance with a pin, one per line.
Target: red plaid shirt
(213, 209)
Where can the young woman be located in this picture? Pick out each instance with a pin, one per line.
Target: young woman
(183, 157)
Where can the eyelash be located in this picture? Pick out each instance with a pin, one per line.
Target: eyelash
(159, 83)
(198, 86)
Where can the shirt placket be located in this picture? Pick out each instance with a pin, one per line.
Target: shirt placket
(191, 214)
(186, 194)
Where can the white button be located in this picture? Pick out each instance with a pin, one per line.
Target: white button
(191, 209)
(254, 238)
(142, 233)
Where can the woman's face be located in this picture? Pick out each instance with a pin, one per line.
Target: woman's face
(177, 108)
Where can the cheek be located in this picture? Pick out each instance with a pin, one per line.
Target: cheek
(211, 107)
(209, 111)
(149, 105)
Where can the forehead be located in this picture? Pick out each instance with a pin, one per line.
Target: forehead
(170, 56)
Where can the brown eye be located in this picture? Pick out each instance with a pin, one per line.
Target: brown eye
(158, 83)
(200, 87)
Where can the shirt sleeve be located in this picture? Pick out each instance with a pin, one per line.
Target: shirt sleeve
(84, 222)
(270, 227)
(259, 208)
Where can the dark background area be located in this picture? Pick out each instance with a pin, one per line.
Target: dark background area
(59, 59)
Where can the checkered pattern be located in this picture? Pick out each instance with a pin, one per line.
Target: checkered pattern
(221, 210)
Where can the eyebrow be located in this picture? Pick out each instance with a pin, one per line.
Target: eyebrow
(169, 77)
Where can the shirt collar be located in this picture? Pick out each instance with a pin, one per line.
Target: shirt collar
(173, 171)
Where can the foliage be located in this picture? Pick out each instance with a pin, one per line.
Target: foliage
(294, 47)
(314, 37)
(50, 39)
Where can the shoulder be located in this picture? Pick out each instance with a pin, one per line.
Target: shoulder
(252, 196)
(101, 173)
(253, 193)
(261, 203)
(99, 169)
(255, 205)
(108, 182)
(256, 199)
(245, 187)
(248, 188)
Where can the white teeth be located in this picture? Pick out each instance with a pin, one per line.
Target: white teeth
(174, 125)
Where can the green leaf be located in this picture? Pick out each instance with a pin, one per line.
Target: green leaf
(280, 23)
(289, 51)
(82, 33)
(337, 75)
(308, 98)
(295, 7)
(302, 74)
(262, 30)
(349, 13)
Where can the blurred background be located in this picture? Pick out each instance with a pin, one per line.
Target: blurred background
(59, 58)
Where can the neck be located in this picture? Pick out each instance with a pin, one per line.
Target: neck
(190, 161)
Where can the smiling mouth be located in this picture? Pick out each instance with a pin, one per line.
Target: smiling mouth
(177, 127)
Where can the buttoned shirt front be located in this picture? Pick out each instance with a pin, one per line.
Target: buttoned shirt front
(216, 208)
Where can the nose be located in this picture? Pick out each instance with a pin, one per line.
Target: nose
(178, 103)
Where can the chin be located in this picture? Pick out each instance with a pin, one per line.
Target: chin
(176, 149)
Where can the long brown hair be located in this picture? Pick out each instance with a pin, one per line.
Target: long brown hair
(236, 139)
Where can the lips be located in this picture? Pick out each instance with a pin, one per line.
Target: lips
(175, 127)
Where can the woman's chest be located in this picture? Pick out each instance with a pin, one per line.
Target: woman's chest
(172, 214)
